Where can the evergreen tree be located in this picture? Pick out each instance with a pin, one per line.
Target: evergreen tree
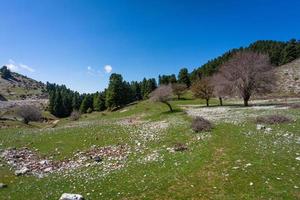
(289, 53)
(114, 94)
(183, 77)
(76, 101)
(5, 73)
(136, 90)
(99, 102)
(58, 108)
(86, 104)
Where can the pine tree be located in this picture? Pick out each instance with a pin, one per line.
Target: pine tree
(99, 102)
(58, 108)
(86, 104)
(183, 77)
(289, 53)
(114, 94)
(5, 73)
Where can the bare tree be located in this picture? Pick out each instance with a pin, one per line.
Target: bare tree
(222, 87)
(248, 73)
(203, 89)
(162, 94)
(29, 113)
(179, 89)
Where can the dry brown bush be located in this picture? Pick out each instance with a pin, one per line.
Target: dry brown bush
(200, 124)
(75, 115)
(29, 113)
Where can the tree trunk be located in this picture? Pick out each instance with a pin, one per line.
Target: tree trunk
(169, 105)
(207, 102)
(178, 97)
(221, 101)
(246, 101)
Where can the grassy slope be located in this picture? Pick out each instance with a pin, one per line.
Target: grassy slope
(208, 170)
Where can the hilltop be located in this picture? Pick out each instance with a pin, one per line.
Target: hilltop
(19, 87)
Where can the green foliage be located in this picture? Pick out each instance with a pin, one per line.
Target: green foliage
(5, 73)
(99, 101)
(167, 79)
(86, 103)
(147, 86)
(280, 53)
(184, 77)
(115, 92)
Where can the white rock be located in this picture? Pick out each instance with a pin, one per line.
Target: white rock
(22, 171)
(260, 127)
(48, 169)
(44, 162)
(268, 129)
(298, 158)
(67, 196)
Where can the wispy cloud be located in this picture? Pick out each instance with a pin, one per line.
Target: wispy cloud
(94, 72)
(108, 68)
(18, 67)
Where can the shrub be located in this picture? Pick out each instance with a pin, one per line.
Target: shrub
(29, 113)
(295, 106)
(180, 147)
(200, 124)
(75, 115)
(273, 119)
(89, 110)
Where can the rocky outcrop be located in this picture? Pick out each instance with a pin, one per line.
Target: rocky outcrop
(288, 82)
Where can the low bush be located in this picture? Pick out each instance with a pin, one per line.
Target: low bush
(200, 124)
(75, 115)
(29, 113)
(180, 147)
(273, 119)
(295, 106)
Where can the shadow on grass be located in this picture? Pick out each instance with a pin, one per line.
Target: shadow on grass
(176, 110)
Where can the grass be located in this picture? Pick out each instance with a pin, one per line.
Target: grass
(233, 161)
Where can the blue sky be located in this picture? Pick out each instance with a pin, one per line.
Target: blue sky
(80, 42)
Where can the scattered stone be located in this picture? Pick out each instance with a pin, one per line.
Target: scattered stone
(260, 127)
(251, 183)
(67, 196)
(2, 185)
(21, 171)
(268, 129)
(97, 159)
(298, 158)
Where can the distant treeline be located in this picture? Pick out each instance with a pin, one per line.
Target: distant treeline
(280, 53)
(119, 92)
(62, 101)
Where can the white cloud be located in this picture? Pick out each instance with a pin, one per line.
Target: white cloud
(26, 67)
(15, 67)
(107, 68)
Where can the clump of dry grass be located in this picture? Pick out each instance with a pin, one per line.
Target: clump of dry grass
(75, 115)
(200, 124)
(273, 119)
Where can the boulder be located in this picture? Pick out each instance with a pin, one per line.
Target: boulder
(67, 196)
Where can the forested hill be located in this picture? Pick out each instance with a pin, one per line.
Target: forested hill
(280, 53)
